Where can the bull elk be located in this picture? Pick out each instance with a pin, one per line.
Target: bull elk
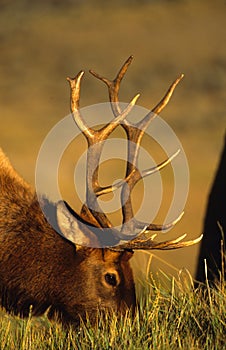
(81, 270)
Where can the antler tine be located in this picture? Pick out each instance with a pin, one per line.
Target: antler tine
(139, 175)
(118, 77)
(160, 166)
(143, 243)
(114, 85)
(156, 227)
(161, 105)
(75, 84)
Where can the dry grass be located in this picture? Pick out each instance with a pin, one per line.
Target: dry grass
(178, 319)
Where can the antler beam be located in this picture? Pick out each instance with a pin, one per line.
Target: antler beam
(134, 134)
(95, 140)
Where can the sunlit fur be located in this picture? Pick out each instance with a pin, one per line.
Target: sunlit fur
(39, 267)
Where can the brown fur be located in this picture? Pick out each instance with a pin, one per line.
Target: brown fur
(39, 267)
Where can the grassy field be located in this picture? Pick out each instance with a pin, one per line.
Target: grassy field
(179, 319)
(44, 42)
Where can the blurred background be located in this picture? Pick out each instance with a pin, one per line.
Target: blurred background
(42, 42)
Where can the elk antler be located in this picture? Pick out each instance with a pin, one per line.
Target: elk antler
(134, 134)
(95, 139)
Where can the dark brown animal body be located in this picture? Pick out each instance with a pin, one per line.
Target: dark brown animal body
(39, 267)
(214, 229)
(76, 267)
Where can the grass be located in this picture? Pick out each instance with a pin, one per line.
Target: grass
(182, 318)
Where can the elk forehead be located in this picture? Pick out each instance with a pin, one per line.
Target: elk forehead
(116, 256)
(108, 257)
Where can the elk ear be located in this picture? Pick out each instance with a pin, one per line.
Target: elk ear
(73, 227)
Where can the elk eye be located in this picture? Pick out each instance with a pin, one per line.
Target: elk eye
(110, 278)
